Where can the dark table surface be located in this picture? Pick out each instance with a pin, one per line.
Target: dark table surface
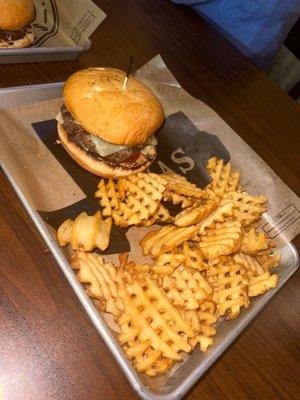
(48, 347)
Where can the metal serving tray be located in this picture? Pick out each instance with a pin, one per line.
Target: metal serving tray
(177, 382)
(36, 54)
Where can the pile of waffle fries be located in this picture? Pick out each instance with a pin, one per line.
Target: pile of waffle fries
(209, 260)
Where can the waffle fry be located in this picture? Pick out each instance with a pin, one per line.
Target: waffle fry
(170, 195)
(253, 242)
(108, 196)
(193, 256)
(146, 360)
(195, 214)
(171, 177)
(187, 189)
(102, 278)
(182, 187)
(261, 283)
(151, 184)
(251, 265)
(176, 198)
(233, 181)
(152, 237)
(225, 209)
(64, 232)
(204, 319)
(160, 215)
(224, 239)
(268, 261)
(166, 263)
(223, 179)
(230, 283)
(85, 232)
(150, 321)
(247, 209)
(166, 239)
(135, 210)
(186, 288)
(260, 280)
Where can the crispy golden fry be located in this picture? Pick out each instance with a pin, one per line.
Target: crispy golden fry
(85, 232)
(102, 237)
(135, 210)
(269, 261)
(151, 184)
(177, 199)
(134, 200)
(103, 280)
(224, 239)
(233, 181)
(160, 215)
(150, 321)
(152, 237)
(225, 209)
(185, 288)
(253, 242)
(174, 178)
(173, 241)
(180, 186)
(223, 179)
(171, 195)
(166, 239)
(203, 319)
(108, 196)
(195, 214)
(166, 263)
(64, 232)
(193, 256)
(230, 283)
(247, 209)
(187, 189)
(260, 280)
(261, 283)
(146, 360)
(251, 266)
(218, 260)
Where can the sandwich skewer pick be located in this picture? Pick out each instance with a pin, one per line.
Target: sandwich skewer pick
(128, 73)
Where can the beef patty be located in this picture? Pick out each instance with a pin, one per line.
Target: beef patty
(129, 158)
(10, 36)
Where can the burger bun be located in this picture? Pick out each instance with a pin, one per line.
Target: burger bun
(15, 14)
(98, 103)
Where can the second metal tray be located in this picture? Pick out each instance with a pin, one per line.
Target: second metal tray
(37, 54)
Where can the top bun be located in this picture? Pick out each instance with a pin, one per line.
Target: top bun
(14, 14)
(95, 98)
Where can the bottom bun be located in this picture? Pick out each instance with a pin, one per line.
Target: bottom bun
(19, 43)
(97, 167)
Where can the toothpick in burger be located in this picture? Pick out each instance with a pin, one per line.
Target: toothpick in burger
(15, 19)
(107, 127)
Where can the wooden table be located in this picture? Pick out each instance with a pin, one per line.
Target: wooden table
(49, 348)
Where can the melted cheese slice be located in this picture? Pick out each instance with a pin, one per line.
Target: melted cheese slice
(105, 148)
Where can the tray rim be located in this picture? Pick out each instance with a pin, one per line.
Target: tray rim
(98, 321)
(46, 50)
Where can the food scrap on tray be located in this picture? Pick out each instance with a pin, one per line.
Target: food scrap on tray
(208, 261)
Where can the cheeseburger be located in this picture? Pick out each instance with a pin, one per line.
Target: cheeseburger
(106, 127)
(15, 18)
